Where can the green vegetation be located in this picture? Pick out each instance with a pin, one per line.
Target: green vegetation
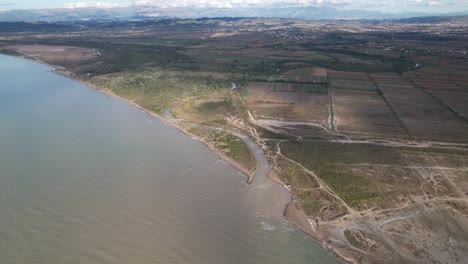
(9, 52)
(161, 41)
(155, 88)
(319, 204)
(210, 107)
(295, 176)
(231, 146)
(327, 159)
(209, 112)
(234, 147)
(356, 238)
(314, 201)
(316, 88)
(316, 57)
(118, 58)
(267, 134)
(354, 88)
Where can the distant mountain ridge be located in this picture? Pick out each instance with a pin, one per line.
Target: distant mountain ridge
(151, 12)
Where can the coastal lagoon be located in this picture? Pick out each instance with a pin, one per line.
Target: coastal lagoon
(87, 178)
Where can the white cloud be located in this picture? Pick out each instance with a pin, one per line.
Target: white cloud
(435, 2)
(208, 3)
(421, 3)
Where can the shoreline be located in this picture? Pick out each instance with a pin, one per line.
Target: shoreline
(291, 213)
(297, 217)
(62, 71)
(220, 155)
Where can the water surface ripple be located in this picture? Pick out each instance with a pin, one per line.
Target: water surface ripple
(86, 178)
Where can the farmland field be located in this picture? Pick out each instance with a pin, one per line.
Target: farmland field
(423, 116)
(343, 84)
(298, 102)
(341, 80)
(365, 112)
(456, 101)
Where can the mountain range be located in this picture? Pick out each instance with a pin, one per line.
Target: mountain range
(151, 12)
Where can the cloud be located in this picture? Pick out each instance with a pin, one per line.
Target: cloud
(208, 3)
(379, 3)
(435, 2)
(99, 4)
(421, 3)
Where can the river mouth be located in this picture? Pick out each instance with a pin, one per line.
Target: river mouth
(86, 178)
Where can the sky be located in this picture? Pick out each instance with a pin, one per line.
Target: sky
(393, 6)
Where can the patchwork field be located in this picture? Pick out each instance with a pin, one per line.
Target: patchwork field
(458, 102)
(423, 116)
(340, 80)
(364, 112)
(437, 85)
(55, 54)
(288, 102)
(303, 75)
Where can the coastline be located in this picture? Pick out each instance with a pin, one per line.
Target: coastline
(292, 212)
(221, 156)
(62, 71)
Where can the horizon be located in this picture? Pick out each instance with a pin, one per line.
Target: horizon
(390, 6)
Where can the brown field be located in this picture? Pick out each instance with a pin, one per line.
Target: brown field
(392, 82)
(296, 71)
(286, 101)
(389, 79)
(429, 81)
(351, 84)
(351, 59)
(304, 78)
(463, 84)
(350, 80)
(456, 101)
(424, 117)
(54, 54)
(385, 75)
(315, 71)
(442, 88)
(309, 71)
(437, 85)
(396, 86)
(364, 112)
(454, 78)
(436, 70)
(301, 53)
(264, 52)
(305, 75)
(252, 52)
(348, 75)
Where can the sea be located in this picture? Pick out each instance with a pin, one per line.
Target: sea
(88, 178)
